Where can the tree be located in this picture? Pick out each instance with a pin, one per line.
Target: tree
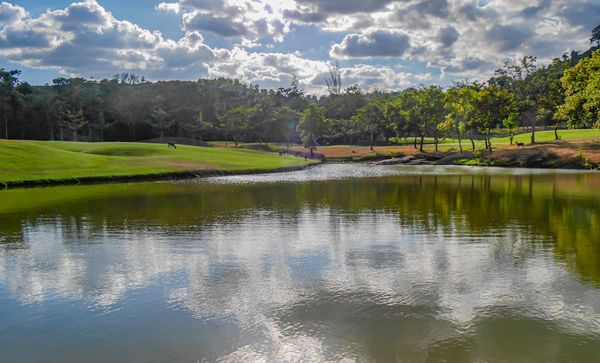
(371, 118)
(101, 125)
(582, 89)
(11, 100)
(458, 102)
(334, 81)
(397, 117)
(286, 119)
(161, 121)
(313, 125)
(492, 106)
(74, 121)
(433, 110)
(235, 122)
(516, 78)
(198, 127)
(511, 123)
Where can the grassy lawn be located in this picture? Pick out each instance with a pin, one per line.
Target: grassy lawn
(540, 136)
(525, 137)
(22, 161)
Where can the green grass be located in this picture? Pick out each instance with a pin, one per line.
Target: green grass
(540, 136)
(34, 161)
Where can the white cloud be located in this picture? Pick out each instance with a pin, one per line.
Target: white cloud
(10, 13)
(454, 38)
(373, 43)
(84, 39)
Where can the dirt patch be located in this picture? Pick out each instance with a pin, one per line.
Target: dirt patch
(568, 154)
(567, 149)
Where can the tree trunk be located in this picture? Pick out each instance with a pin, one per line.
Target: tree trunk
(415, 142)
(489, 140)
(50, 128)
(471, 138)
(62, 135)
(533, 131)
(512, 137)
(422, 141)
(5, 126)
(435, 140)
(371, 141)
(556, 132)
(459, 142)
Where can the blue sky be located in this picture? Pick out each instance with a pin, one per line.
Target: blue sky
(380, 44)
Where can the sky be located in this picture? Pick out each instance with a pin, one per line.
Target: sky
(383, 45)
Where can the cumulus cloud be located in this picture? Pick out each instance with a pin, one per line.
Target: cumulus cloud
(333, 7)
(375, 43)
(416, 40)
(85, 39)
(250, 21)
(10, 13)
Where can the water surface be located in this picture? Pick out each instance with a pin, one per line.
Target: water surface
(334, 263)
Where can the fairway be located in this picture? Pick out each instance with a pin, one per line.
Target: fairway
(44, 161)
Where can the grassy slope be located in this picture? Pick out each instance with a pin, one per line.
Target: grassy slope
(22, 161)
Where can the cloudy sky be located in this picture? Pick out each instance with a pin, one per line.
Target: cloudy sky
(381, 44)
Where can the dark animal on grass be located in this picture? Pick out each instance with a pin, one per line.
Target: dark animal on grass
(282, 152)
(171, 145)
(520, 144)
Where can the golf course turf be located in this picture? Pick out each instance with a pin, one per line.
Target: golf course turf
(49, 162)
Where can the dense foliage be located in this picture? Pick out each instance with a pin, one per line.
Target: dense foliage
(128, 108)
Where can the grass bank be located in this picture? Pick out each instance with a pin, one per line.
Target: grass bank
(576, 149)
(26, 163)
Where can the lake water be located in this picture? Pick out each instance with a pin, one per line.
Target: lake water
(334, 263)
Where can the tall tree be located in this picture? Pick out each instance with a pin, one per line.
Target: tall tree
(334, 81)
(161, 120)
(582, 88)
(492, 106)
(458, 102)
(235, 122)
(11, 100)
(371, 117)
(511, 123)
(312, 126)
(74, 121)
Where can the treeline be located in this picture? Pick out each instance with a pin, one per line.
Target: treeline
(128, 108)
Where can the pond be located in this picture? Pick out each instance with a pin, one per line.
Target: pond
(340, 262)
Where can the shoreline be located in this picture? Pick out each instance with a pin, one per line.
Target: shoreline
(524, 158)
(531, 158)
(146, 177)
(425, 159)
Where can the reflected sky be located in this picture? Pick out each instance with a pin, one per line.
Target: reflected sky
(414, 267)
